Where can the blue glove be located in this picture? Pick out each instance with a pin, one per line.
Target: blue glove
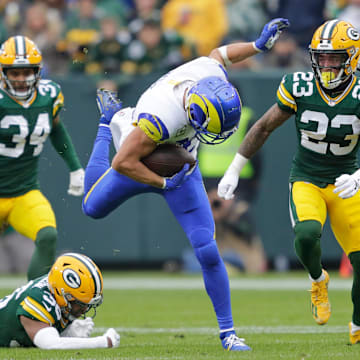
(176, 180)
(270, 33)
(108, 104)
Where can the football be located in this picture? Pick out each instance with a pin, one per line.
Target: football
(168, 159)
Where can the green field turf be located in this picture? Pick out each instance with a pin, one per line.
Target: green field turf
(169, 317)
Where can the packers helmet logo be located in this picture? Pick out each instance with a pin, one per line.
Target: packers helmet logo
(71, 278)
(353, 34)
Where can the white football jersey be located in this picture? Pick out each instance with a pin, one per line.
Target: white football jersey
(163, 103)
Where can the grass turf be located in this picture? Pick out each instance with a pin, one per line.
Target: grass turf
(164, 324)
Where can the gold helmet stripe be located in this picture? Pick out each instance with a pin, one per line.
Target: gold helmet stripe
(327, 31)
(93, 270)
(20, 46)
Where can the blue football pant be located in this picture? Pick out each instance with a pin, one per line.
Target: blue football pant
(106, 189)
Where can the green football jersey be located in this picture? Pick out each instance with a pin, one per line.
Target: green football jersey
(33, 300)
(24, 127)
(327, 128)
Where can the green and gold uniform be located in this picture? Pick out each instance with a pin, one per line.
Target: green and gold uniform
(24, 127)
(328, 140)
(33, 300)
(23, 131)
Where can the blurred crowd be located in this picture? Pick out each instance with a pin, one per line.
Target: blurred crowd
(113, 40)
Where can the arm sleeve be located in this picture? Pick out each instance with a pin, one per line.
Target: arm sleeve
(48, 338)
(62, 143)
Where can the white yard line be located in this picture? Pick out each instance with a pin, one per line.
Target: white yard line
(143, 283)
(240, 330)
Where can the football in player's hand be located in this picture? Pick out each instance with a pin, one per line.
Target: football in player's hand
(168, 159)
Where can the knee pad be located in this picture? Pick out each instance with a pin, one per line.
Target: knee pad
(205, 247)
(307, 232)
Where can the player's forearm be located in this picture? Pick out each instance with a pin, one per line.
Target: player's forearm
(137, 171)
(261, 130)
(62, 143)
(49, 339)
(233, 53)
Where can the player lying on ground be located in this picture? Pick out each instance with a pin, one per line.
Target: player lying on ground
(192, 103)
(325, 175)
(45, 311)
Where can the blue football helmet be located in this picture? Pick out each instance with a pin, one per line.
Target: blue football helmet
(213, 107)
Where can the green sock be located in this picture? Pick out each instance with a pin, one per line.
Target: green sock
(355, 292)
(307, 246)
(44, 253)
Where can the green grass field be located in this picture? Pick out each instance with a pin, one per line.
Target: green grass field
(169, 317)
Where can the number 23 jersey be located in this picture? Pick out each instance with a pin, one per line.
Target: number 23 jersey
(327, 128)
(23, 131)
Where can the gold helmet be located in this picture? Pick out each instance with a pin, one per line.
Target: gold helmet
(75, 279)
(20, 52)
(335, 37)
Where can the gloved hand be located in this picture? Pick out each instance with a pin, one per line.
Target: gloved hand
(228, 184)
(79, 328)
(113, 336)
(229, 181)
(170, 183)
(108, 104)
(76, 185)
(348, 185)
(270, 33)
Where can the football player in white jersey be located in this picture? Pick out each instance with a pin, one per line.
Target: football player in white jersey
(192, 103)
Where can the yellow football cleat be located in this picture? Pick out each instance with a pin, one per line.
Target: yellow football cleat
(320, 306)
(354, 336)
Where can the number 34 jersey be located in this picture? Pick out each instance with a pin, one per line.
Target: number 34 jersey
(23, 131)
(327, 128)
(33, 300)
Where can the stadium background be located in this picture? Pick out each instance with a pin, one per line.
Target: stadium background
(74, 35)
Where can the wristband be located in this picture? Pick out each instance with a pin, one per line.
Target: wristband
(238, 162)
(224, 55)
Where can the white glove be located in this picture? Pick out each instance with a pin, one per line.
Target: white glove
(348, 185)
(76, 185)
(229, 181)
(79, 328)
(113, 336)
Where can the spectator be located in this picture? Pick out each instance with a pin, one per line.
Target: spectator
(152, 49)
(351, 13)
(201, 22)
(304, 16)
(287, 54)
(45, 28)
(245, 18)
(106, 56)
(81, 31)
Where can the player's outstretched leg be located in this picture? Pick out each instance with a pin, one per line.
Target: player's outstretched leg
(108, 105)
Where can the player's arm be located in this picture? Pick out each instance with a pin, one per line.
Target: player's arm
(127, 160)
(253, 141)
(47, 337)
(236, 52)
(63, 144)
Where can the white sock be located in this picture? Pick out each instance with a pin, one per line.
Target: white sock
(321, 278)
(354, 328)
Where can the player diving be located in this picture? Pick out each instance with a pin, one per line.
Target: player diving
(191, 104)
